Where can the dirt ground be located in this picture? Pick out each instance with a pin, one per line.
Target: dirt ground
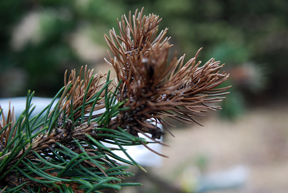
(258, 141)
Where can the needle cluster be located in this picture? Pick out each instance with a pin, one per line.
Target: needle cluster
(154, 87)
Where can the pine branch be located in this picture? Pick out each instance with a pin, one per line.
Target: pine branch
(61, 149)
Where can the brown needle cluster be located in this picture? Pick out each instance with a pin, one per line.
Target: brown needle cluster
(9, 121)
(75, 96)
(153, 87)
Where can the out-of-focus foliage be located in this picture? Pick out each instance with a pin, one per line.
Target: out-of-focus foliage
(36, 36)
(251, 37)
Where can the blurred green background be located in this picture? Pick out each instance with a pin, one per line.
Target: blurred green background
(39, 39)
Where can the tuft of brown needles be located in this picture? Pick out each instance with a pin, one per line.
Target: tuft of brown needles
(82, 91)
(154, 87)
(8, 122)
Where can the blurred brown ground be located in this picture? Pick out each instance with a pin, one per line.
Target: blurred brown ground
(258, 140)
